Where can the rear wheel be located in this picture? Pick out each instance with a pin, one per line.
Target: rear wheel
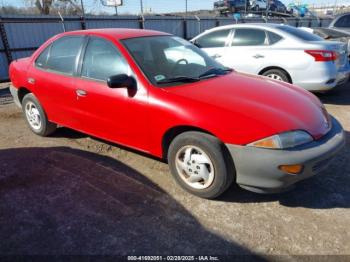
(257, 8)
(36, 117)
(200, 164)
(277, 74)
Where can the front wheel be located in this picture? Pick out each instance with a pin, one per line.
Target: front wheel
(36, 117)
(200, 164)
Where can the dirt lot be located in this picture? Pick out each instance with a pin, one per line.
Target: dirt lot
(72, 194)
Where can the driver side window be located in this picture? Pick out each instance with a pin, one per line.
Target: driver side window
(102, 60)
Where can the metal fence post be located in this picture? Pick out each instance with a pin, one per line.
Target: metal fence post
(5, 42)
(184, 23)
(199, 24)
(320, 22)
(82, 22)
(142, 22)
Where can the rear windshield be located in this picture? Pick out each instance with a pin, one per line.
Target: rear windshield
(299, 33)
(326, 32)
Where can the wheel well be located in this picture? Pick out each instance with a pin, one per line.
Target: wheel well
(22, 91)
(278, 68)
(174, 132)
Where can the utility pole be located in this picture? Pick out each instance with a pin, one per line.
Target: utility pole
(82, 7)
(141, 5)
(335, 7)
(116, 10)
(186, 6)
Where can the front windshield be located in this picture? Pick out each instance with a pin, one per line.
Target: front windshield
(170, 60)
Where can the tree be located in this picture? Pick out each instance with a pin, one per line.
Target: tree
(45, 6)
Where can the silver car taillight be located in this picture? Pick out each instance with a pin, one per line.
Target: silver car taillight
(323, 55)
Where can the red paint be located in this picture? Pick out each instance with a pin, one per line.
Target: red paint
(237, 108)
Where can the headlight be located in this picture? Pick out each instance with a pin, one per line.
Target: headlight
(284, 140)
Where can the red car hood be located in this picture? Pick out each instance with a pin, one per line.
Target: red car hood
(280, 106)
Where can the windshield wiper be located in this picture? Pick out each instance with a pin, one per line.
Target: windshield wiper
(187, 79)
(183, 79)
(215, 71)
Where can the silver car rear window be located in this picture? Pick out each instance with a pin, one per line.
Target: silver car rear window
(299, 33)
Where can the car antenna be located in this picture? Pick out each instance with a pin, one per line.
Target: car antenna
(62, 21)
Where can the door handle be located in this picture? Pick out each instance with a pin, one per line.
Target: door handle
(257, 56)
(216, 56)
(81, 93)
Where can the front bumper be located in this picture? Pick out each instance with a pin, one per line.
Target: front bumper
(257, 169)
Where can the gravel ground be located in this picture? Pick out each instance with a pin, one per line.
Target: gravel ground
(73, 194)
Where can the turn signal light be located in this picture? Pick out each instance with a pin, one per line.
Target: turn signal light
(292, 169)
(267, 143)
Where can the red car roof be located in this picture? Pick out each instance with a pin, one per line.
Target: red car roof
(118, 33)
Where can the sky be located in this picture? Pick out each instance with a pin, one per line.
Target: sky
(161, 6)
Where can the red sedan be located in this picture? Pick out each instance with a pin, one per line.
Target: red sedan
(160, 94)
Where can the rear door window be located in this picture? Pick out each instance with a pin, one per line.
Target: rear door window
(42, 59)
(249, 37)
(63, 54)
(213, 39)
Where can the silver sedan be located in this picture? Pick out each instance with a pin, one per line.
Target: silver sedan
(280, 52)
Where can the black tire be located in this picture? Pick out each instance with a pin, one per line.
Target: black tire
(224, 170)
(257, 8)
(46, 128)
(280, 73)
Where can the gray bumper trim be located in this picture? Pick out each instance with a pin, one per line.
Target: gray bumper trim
(257, 169)
(14, 93)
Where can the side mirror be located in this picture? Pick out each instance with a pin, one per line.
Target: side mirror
(122, 81)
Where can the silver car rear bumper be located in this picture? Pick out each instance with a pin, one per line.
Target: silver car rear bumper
(321, 77)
